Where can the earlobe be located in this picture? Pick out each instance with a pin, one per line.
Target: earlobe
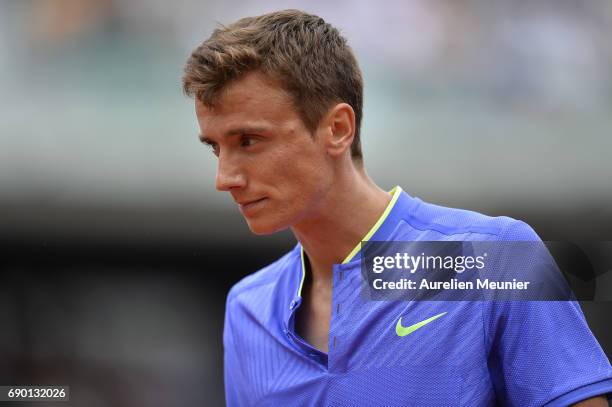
(341, 123)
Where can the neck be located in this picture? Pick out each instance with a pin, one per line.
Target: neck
(347, 213)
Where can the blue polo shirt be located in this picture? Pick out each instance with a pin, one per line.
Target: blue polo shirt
(478, 353)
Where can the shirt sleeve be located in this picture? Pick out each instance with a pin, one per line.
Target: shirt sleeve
(231, 366)
(543, 352)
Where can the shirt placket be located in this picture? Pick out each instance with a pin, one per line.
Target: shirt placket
(298, 342)
(339, 312)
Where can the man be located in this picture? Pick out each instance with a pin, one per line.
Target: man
(278, 98)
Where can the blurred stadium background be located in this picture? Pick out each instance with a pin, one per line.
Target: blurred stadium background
(117, 252)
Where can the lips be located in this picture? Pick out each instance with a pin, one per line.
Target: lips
(250, 206)
(245, 203)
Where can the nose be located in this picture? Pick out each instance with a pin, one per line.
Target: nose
(229, 174)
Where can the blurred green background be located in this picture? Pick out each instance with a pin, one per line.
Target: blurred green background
(117, 251)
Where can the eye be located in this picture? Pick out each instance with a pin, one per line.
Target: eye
(247, 141)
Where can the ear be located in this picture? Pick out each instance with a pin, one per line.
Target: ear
(340, 122)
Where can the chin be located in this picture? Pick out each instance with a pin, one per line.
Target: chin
(261, 227)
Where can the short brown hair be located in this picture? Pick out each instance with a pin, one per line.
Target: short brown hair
(308, 56)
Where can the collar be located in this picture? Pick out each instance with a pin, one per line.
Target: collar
(382, 230)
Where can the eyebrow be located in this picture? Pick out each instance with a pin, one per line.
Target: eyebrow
(234, 132)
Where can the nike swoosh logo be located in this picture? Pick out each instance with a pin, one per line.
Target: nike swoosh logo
(403, 331)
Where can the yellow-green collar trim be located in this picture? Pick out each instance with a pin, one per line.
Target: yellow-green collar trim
(395, 195)
(303, 272)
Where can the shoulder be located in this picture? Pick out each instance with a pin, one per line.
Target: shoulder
(465, 224)
(263, 281)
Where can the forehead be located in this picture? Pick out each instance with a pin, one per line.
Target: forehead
(254, 98)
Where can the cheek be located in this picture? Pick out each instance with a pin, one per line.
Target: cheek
(309, 176)
(314, 184)
(298, 172)
(295, 164)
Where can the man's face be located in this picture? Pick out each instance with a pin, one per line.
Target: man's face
(273, 167)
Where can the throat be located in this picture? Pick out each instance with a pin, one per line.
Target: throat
(312, 321)
(312, 318)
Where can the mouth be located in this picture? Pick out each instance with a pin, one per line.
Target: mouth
(248, 207)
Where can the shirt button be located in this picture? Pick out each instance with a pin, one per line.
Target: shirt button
(292, 305)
